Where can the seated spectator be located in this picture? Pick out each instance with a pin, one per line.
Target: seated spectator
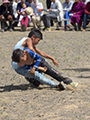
(48, 4)
(55, 12)
(23, 18)
(78, 12)
(15, 15)
(86, 15)
(6, 13)
(36, 18)
(85, 1)
(67, 6)
(14, 7)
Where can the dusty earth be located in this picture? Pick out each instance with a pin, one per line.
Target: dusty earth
(21, 101)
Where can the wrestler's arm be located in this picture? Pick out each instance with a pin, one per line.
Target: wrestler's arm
(29, 44)
(46, 56)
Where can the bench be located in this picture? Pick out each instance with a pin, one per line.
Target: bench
(57, 24)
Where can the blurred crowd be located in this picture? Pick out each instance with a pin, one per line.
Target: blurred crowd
(23, 13)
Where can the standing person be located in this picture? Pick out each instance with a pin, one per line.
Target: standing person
(29, 59)
(6, 13)
(67, 6)
(48, 3)
(55, 12)
(78, 12)
(86, 15)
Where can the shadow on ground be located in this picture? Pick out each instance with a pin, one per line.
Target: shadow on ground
(22, 87)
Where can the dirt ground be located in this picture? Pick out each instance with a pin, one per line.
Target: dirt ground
(21, 101)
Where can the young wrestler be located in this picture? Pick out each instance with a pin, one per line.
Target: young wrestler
(30, 42)
(30, 60)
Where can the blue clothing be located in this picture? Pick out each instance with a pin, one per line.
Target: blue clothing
(67, 7)
(35, 57)
(18, 46)
(50, 70)
(38, 76)
(19, 6)
(86, 16)
(67, 16)
(26, 70)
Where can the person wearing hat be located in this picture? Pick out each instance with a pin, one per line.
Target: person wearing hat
(6, 13)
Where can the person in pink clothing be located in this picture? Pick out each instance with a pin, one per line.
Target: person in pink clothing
(23, 18)
(78, 12)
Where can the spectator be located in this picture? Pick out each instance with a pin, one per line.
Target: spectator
(78, 12)
(14, 7)
(67, 6)
(19, 6)
(6, 13)
(15, 15)
(86, 15)
(48, 3)
(85, 1)
(55, 12)
(36, 18)
(24, 17)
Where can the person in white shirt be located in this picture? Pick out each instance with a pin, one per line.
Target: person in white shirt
(55, 12)
(67, 6)
(15, 14)
(36, 17)
(14, 7)
(86, 1)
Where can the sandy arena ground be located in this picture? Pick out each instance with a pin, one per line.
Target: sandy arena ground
(21, 101)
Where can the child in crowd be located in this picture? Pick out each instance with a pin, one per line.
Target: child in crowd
(23, 14)
(29, 60)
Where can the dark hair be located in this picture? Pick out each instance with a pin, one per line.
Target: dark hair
(17, 54)
(37, 34)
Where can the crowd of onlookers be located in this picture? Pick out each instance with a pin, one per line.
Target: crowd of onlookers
(22, 13)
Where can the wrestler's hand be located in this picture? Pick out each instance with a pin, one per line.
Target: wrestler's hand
(55, 62)
(32, 71)
(45, 69)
